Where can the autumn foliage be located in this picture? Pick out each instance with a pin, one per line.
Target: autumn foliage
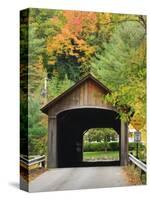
(64, 46)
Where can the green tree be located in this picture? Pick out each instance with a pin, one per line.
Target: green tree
(36, 128)
(122, 67)
(104, 135)
(57, 86)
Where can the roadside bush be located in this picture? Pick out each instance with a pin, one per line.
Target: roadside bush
(132, 146)
(110, 146)
(92, 146)
(114, 146)
(98, 146)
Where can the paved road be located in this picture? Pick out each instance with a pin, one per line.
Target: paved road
(79, 178)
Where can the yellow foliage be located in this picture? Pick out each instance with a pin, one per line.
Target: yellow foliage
(144, 135)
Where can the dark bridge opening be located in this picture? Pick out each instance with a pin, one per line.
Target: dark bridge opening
(71, 125)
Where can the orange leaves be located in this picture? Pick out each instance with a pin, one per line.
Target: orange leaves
(78, 21)
(71, 41)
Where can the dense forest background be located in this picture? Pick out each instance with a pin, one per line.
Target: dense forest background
(64, 46)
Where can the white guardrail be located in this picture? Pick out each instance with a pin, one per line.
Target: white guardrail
(138, 163)
(36, 159)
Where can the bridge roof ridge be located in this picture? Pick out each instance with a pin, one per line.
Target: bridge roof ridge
(66, 92)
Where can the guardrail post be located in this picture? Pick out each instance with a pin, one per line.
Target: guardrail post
(43, 164)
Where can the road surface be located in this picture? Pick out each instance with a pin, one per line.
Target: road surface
(79, 178)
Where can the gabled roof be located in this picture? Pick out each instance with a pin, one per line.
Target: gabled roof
(65, 93)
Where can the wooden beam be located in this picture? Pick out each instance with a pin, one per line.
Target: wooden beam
(124, 144)
(52, 143)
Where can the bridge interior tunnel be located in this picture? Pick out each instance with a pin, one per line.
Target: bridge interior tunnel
(71, 125)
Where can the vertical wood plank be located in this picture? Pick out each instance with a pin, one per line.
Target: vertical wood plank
(124, 144)
(52, 142)
(86, 93)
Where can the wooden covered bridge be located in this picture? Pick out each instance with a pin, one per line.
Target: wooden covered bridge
(78, 109)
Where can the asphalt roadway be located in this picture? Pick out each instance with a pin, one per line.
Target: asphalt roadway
(79, 178)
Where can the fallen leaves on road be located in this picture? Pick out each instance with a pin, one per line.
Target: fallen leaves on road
(32, 174)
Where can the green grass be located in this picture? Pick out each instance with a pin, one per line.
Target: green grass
(101, 155)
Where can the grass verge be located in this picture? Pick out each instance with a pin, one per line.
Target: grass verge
(133, 175)
(101, 155)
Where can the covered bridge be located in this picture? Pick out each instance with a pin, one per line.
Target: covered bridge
(78, 109)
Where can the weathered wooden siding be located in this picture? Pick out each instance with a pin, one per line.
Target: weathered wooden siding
(87, 94)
